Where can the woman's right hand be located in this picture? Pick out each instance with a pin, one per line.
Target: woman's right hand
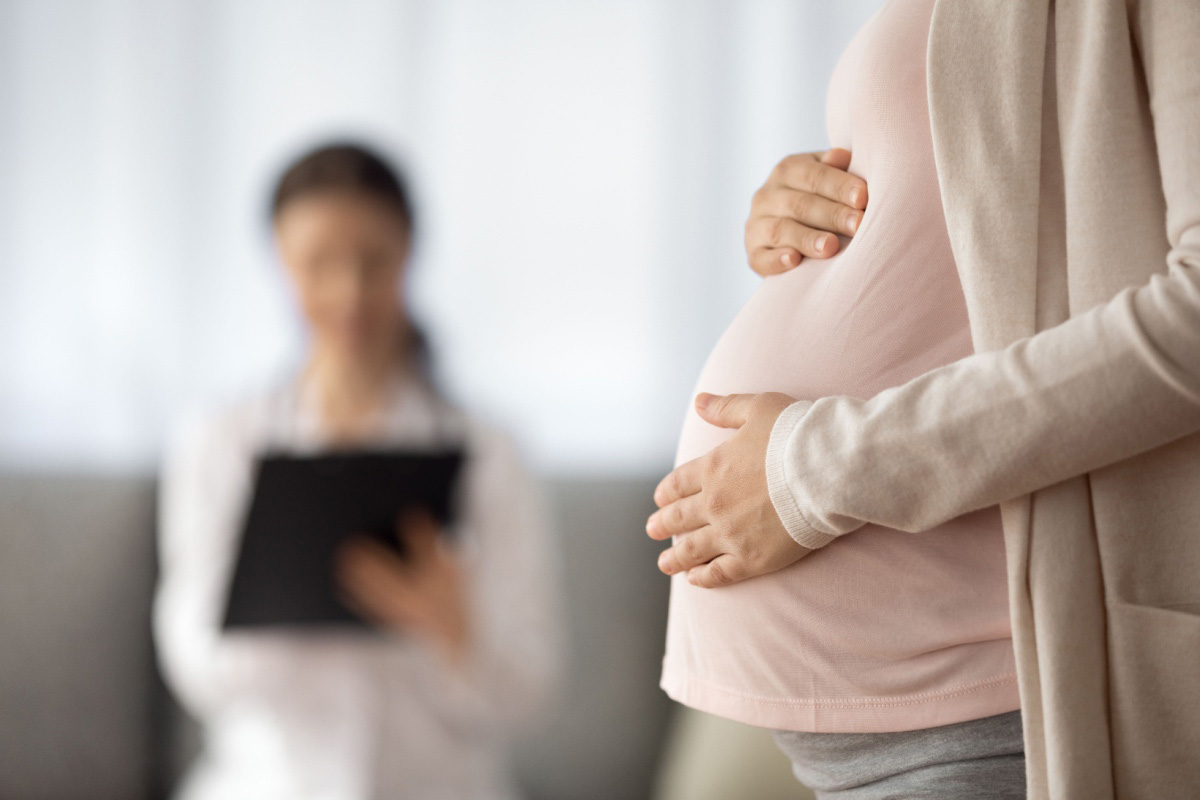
(807, 197)
(424, 594)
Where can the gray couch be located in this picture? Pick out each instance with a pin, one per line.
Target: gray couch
(83, 713)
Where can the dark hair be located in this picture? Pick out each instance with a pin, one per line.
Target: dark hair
(346, 166)
(343, 166)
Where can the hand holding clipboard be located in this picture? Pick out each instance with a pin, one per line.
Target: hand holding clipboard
(305, 508)
(424, 593)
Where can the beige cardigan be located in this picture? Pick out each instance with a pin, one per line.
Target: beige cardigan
(1065, 134)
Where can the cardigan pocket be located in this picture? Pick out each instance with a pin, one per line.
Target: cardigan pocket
(1154, 693)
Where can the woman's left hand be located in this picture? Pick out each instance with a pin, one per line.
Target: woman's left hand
(424, 594)
(718, 505)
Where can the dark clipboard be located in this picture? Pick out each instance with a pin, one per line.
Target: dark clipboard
(303, 507)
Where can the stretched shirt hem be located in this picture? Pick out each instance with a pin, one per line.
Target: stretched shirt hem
(975, 700)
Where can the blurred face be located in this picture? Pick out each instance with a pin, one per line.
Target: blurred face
(345, 253)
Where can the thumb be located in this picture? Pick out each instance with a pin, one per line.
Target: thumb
(418, 530)
(724, 411)
(836, 157)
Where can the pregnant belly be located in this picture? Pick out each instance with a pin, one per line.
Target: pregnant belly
(850, 325)
(878, 612)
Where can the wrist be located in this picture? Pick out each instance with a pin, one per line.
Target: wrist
(791, 515)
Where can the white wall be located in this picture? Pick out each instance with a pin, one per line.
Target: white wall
(583, 167)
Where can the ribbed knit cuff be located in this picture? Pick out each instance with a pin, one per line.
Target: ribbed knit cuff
(794, 521)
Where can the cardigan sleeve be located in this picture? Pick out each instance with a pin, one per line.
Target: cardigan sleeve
(1103, 386)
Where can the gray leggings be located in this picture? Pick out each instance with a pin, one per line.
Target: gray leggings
(983, 759)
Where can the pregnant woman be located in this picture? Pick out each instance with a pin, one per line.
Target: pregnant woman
(943, 483)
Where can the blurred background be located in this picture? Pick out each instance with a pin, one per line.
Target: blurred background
(582, 171)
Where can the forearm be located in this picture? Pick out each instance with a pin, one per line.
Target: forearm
(1104, 386)
(205, 672)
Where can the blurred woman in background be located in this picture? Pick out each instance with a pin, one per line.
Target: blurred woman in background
(472, 647)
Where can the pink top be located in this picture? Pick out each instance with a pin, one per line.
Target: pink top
(880, 630)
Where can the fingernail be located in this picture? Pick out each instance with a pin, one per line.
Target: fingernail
(702, 401)
(852, 223)
(664, 563)
(855, 194)
(788, 260)
(650, 525)
(692, 578)
(821, 240)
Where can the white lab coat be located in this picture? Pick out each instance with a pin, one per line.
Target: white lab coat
(345, 716)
